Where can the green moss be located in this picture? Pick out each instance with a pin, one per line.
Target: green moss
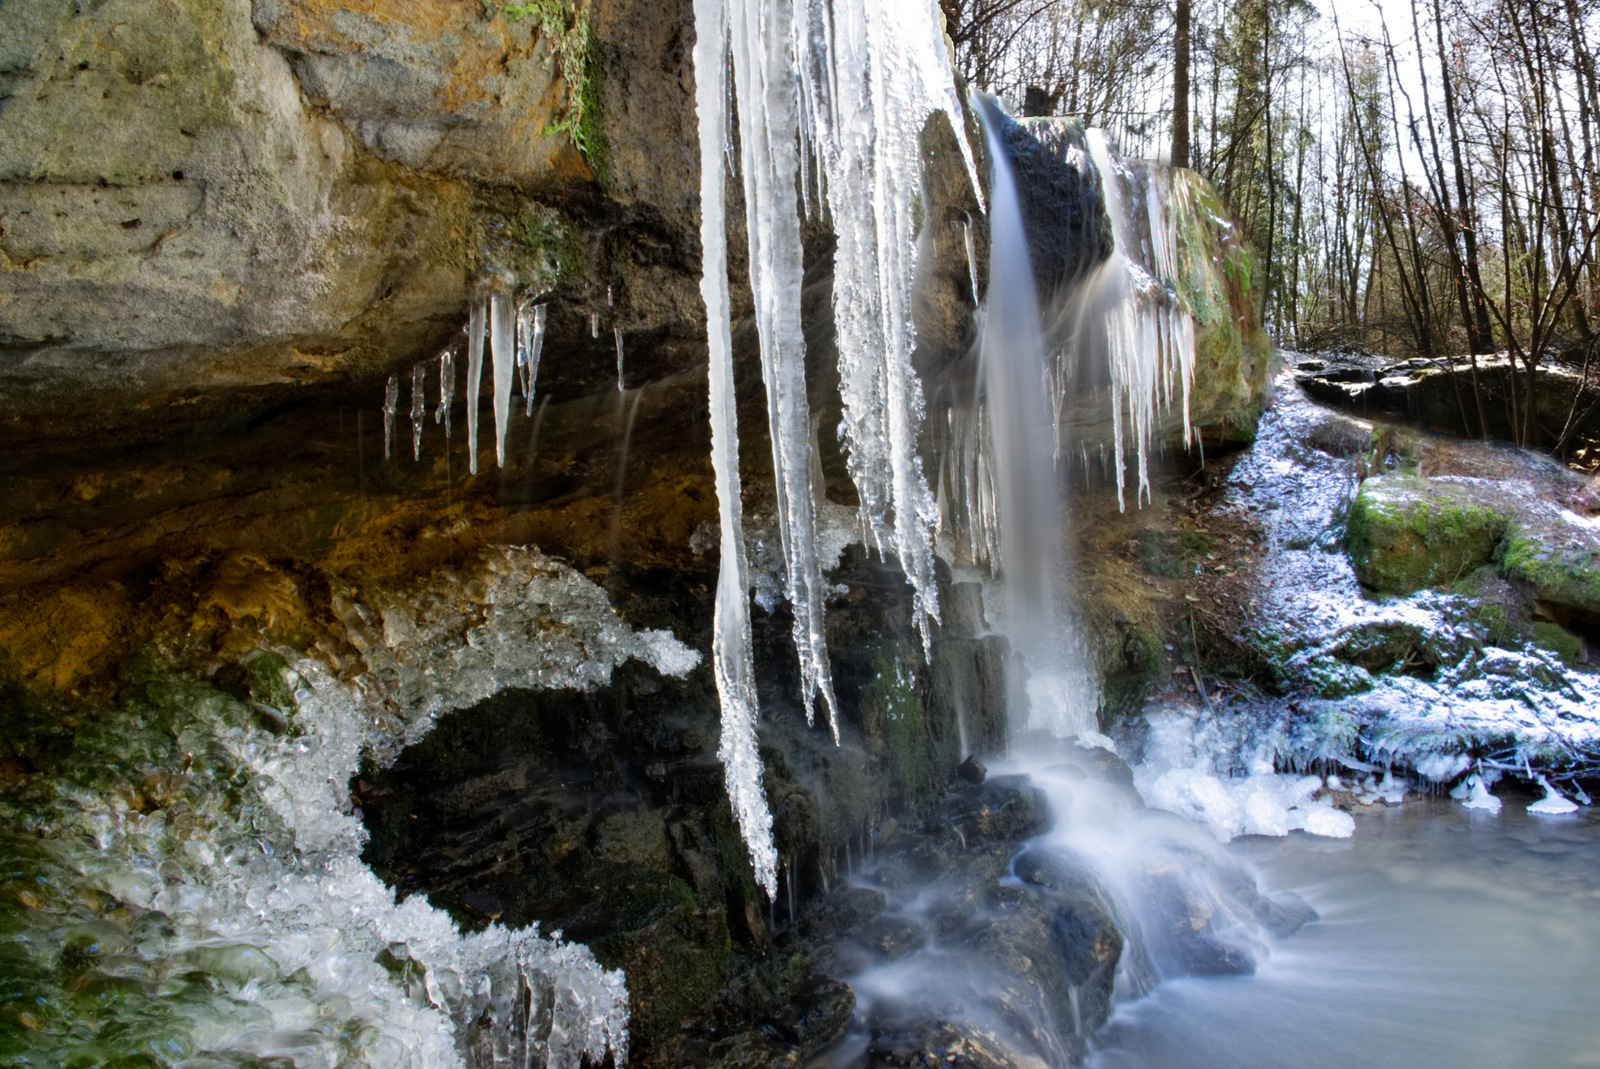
(1137, 664)
(1405, 534)
(1559, 641)
(894, 718)
(1172, 554)
(544, 247)
(1566, 576)
(1328, 678)
(565, 23)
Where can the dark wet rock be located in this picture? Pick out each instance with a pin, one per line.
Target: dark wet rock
(844, 909)
(1001, 808)
(972, 770)
(884, 939)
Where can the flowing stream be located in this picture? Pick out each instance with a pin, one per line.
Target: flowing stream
(1447, 937)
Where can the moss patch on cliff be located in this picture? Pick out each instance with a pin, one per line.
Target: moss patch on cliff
(1406, 534)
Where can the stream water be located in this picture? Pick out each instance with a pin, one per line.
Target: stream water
(1447, 937)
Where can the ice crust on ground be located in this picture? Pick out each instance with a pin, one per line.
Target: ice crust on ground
(256, 882)
(1488, 709)
(1177, 774)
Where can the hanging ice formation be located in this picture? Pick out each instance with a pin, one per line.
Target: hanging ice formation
(730, 643)
(844, 89)
(501, 338)
(391, 405)
(1149, 337)
(475, 329)
(617, 333)
(447, 388)
(594, 325)
(527, 362)
(419, 409)
(535, 347)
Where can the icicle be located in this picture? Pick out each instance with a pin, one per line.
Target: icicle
(500, 343)
(617, 333)
(769, 160)
(524, 347)
(419, 409)
(877, 69)
(609, 303)
(447, 388)
(391, 405)
(533, 355)
(594, 324)
(972, 258)
(730, 642)
(1150, 338)
(475, 328)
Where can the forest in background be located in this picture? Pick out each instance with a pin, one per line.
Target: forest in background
(1417, 177)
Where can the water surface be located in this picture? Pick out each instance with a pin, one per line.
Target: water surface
(1448, 937)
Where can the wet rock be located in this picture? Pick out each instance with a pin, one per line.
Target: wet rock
(1001, 808)
(972, 770)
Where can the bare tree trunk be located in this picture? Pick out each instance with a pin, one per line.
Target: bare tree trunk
(1180, 86)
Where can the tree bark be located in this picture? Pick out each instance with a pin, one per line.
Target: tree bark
(1180, 86)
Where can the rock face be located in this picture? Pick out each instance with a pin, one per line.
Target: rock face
(224, 225)
(216, 205)
(603, 814)
(1478, 507)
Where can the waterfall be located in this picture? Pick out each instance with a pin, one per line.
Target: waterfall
(1021, 514)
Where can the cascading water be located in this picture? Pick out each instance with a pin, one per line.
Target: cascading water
(1021, 512)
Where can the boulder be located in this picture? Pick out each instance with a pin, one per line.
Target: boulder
(1407, 533)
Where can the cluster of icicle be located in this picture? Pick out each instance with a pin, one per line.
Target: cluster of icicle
(515, 332)
(1150, 338)
(832, 98)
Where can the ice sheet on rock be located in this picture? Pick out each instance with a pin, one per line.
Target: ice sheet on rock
(1178, 774)
(477, 324)
(732, 666)
(515, 618)
(255, 885)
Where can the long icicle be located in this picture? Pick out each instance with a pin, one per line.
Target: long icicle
(475, 328)
(769, 161)
(501, 339)
(730, 651)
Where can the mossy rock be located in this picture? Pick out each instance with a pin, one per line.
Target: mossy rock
(1561, 642)
(1407, 534)
(1565, 575)
(1329, 678)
